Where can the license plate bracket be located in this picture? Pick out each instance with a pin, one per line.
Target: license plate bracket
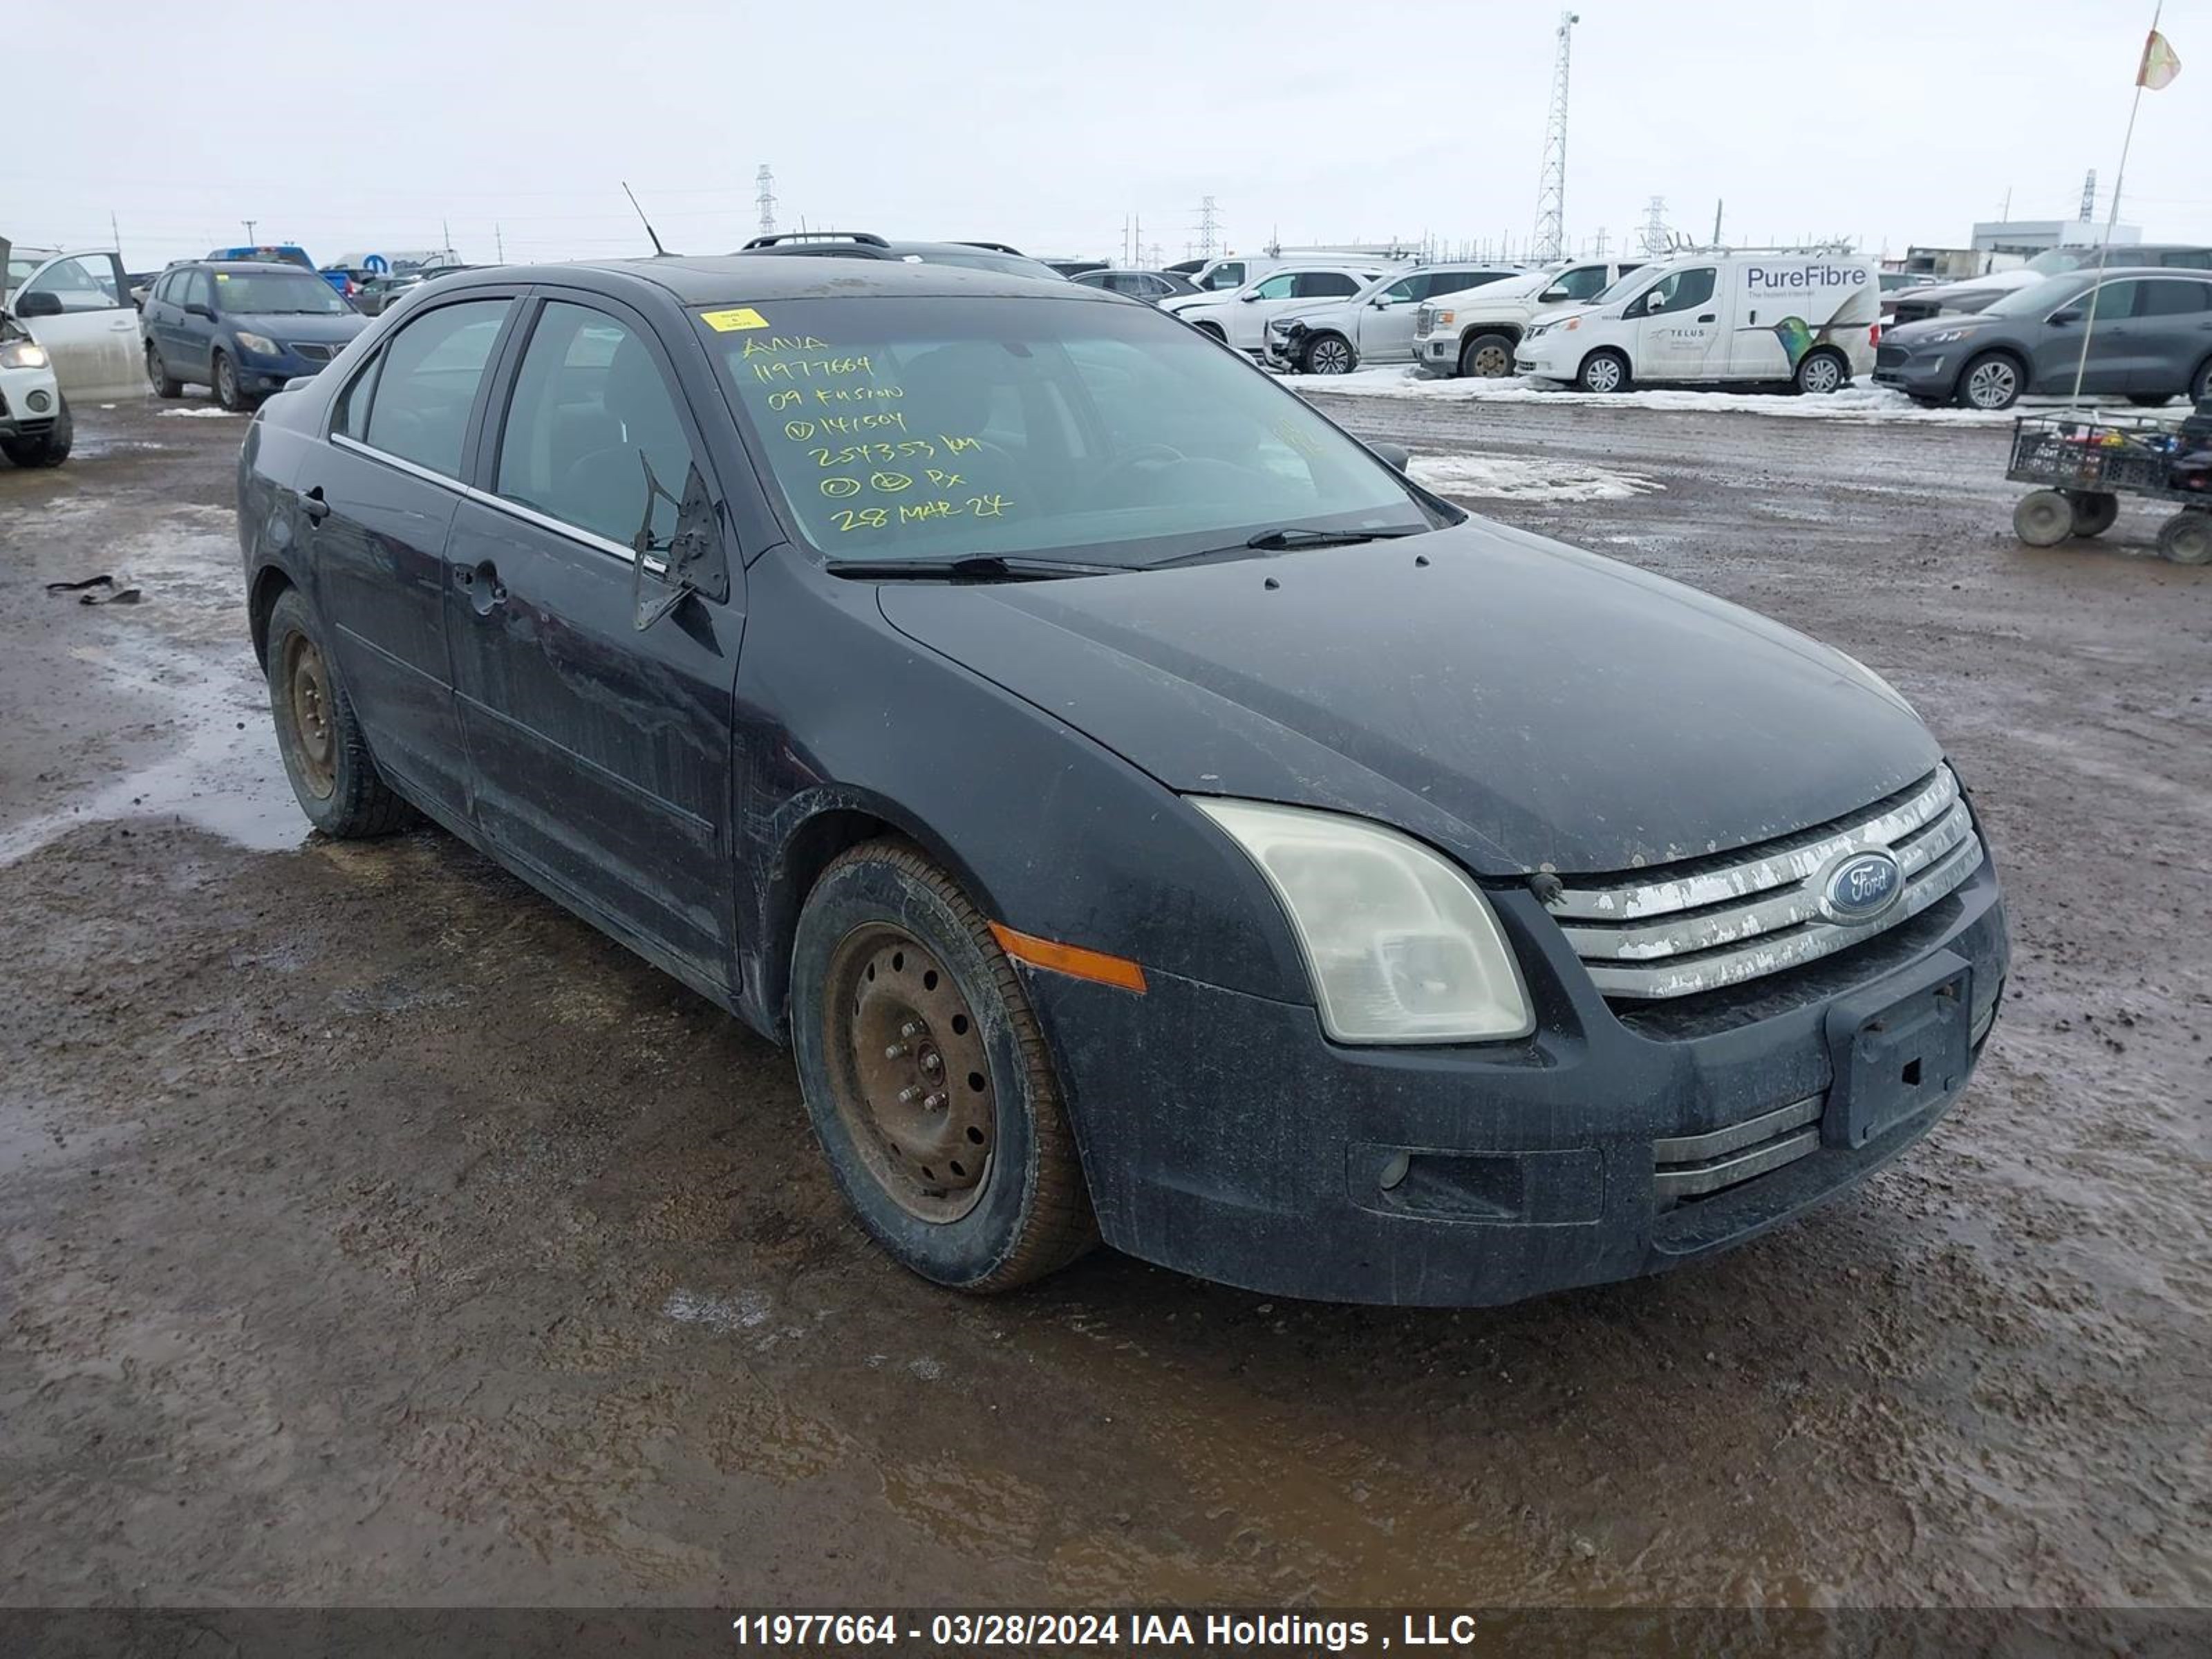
(1896, 1047)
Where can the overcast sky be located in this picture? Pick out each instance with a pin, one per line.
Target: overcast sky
(348, 125)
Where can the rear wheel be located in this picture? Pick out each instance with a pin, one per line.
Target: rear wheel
(49, 448)
(2186, 537)
(1486, 356)
(165, 384)
(2043, 519)
(1821, 371)
(325, 756)
(1327, 353)
(927, 1078)
(2150, 399)
(227, 391)
(2094, 512)
(1990, 382)
(1603, 371)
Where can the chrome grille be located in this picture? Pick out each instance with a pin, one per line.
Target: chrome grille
(315, 353)
(1718, 922)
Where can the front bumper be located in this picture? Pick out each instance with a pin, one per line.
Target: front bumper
(1439, 354)
(1922, 373)
(30, 402)
(1224, 1136)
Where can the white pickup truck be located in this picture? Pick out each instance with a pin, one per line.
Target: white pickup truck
(1473, 332)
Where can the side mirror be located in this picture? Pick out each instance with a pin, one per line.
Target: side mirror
(2064, 315)
(1248, 298)
(194, 308)
(1554, 296)
(44, 302)
(690, 561)
(1394, 456)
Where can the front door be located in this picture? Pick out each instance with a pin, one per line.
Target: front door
(79, 308)
(2113, 345)
(601, 752)
(1679, 327)
(1386, 322)
(385, 488)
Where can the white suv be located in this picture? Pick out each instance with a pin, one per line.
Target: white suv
(1240, 319)
(1475, 332)
(1376, 325)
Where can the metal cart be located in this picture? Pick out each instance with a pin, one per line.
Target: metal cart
(2086, 462)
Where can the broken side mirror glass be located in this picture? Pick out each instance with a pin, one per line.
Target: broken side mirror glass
(691, 559)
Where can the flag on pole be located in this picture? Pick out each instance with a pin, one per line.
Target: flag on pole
(2160, 63)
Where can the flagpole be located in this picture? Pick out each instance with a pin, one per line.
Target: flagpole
(2113, 219)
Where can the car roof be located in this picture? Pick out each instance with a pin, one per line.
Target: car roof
(710, 279)
(227, 265)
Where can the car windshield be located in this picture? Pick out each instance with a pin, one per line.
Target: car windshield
(2057, 261)
(276, 294)
(2040, 297)
(947, 427)
(1006, 265)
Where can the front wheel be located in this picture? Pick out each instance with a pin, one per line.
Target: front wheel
(2095, 511)
(1603, 371)
(1327, 353)
(2150, 399)
(2186, 537)
(1486, 356)
(49, 448)
(928, 1079)
(227, 391)
(325, 755)
(1992, 382)
(1821, 371)
(2043, 519)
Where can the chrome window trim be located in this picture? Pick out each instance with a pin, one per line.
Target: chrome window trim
(485, 498)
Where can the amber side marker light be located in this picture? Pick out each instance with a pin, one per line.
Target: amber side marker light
(1070, 959)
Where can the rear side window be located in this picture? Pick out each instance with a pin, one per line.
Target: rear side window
(2172, 298)
(1326, 285)
(591, 411)
(2199, 259)
(419, 405)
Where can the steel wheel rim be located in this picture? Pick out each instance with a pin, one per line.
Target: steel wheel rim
(153, 368)
(1991, 386)
(1490, 364)
(308, 696)
(910, 1072)
(226, 383)
(1330, 357)
(1820, 375)
(1604, 375)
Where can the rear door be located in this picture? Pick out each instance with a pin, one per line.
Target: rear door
(386, 486)
(2173, 324)
(602, 751)
(89, 326)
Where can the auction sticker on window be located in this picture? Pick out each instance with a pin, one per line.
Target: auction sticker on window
(732, 318)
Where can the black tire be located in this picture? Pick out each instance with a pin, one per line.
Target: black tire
(227, 391)
(1026, 1212)
(2200, 385)
(2186, 537)
(165, 384)
(2043, 519)
(1821, 371)
(1486, 356)
(1213, 330)
(1604, 370)
(1327, 354)
(50, 447)
(325, 756)
(2150, 399)
(1992, 381)
(2095, 511)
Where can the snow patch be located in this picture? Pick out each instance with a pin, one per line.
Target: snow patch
(1862, 402)
(209, 411)
(744, 1312)
(1507, 478)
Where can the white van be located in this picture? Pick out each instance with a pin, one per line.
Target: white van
(1808, 318)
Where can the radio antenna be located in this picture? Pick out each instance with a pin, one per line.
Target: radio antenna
(660, 251)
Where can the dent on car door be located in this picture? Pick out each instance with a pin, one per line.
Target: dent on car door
(89, 327)
(379, 499)
(601, 749)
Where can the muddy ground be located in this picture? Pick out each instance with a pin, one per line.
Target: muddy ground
(372, 1231)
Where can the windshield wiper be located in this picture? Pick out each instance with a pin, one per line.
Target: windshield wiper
(1289, 538)
(977, 567)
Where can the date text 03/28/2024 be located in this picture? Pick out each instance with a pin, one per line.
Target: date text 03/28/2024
(1235, 1632)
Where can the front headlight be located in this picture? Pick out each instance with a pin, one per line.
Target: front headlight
(1400, 946)
(22, 354)
(1442, 319)
(259, 344)
(1541, 328)
(1944, 339)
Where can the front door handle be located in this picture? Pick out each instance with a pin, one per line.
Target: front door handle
(482, 584)
(314, 505)
(1709, 317)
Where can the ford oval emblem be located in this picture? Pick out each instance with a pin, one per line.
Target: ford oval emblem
(1859, 886)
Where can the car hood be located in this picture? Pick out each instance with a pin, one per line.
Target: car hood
(1520, 703)
(1915, 333)
(289, 325)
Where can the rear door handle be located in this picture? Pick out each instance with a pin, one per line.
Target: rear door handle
(314, 505)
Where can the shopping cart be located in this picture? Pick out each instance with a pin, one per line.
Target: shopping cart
(2085, 463)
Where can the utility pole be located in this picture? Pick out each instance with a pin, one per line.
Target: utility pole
(445, 236)
(498, 246)
(249, 224)
(1718, 205)
(2090, 198)
(1552, 177)
(1209, 228)
(1655, 227)
(115, 230)
(1599, 252)
(765, 201)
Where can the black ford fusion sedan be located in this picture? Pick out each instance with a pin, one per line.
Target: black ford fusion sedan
(1146, 813)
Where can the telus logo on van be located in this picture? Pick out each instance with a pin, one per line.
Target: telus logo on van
(1772, 277)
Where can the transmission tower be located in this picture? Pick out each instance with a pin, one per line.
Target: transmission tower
(2090, 197)
(1551, 179)
(1654, 228)
(766, 200)
(1209, 228)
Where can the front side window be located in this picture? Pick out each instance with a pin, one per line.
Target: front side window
(1279, 287)
(1406, 289)
(1581, 283)
(273, 292)
(1226, 276)
(2116, 299)
(89, 282)
(1681, 290)
(590, 413)
(419, 410)
(938, 427)
(200, 291)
